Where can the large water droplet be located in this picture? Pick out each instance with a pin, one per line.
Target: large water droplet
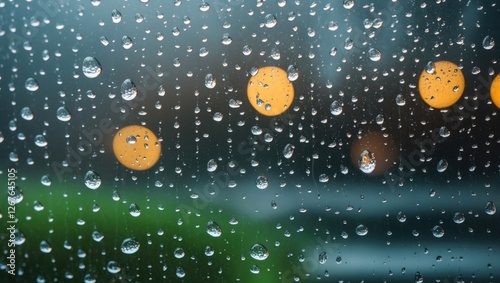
(31, 84)
(26, 114)
(63, 114)
(127, 42)
(130, 246)
(45, 247)
(97, 236)
(113, 267)
(288, 151)
(336, 107)
(323, 256)
(292, 73)
(213, 229)
(211, 165)
(179, 253)
(259, 252)
(437, 231)
(430, 68)
(45, 180)
(270, 21)
(488, 42)
(366, 162)
(40, 141)
(348, 4)
(490, 208)
(262, 182)
(134, 210)
(210, 81)
(374, 54)
(128, 90)
(116, 16)
(458, 218)
(17, 197)
(91, 68)
(92, 180)
(361, 230)
(442, 165)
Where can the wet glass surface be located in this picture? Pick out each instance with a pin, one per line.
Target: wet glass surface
(249, 141)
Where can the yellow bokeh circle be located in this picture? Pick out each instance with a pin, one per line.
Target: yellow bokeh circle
(443, 86)
(495, 91)
(136, 147)
(269, 91)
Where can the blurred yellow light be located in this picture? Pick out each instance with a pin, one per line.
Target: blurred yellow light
(269, 91)
(495, 91)
(136, 147)
(443, 87)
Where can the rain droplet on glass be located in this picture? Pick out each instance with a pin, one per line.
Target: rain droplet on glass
(210, 81)
(130, 246)
(259, 252)
(91, 68)
(63, 114)
(92, 180)
(128, 90)
(213, 229)
(366, 161)
(488, 42)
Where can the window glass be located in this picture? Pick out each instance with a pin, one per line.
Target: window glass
(249, 141)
